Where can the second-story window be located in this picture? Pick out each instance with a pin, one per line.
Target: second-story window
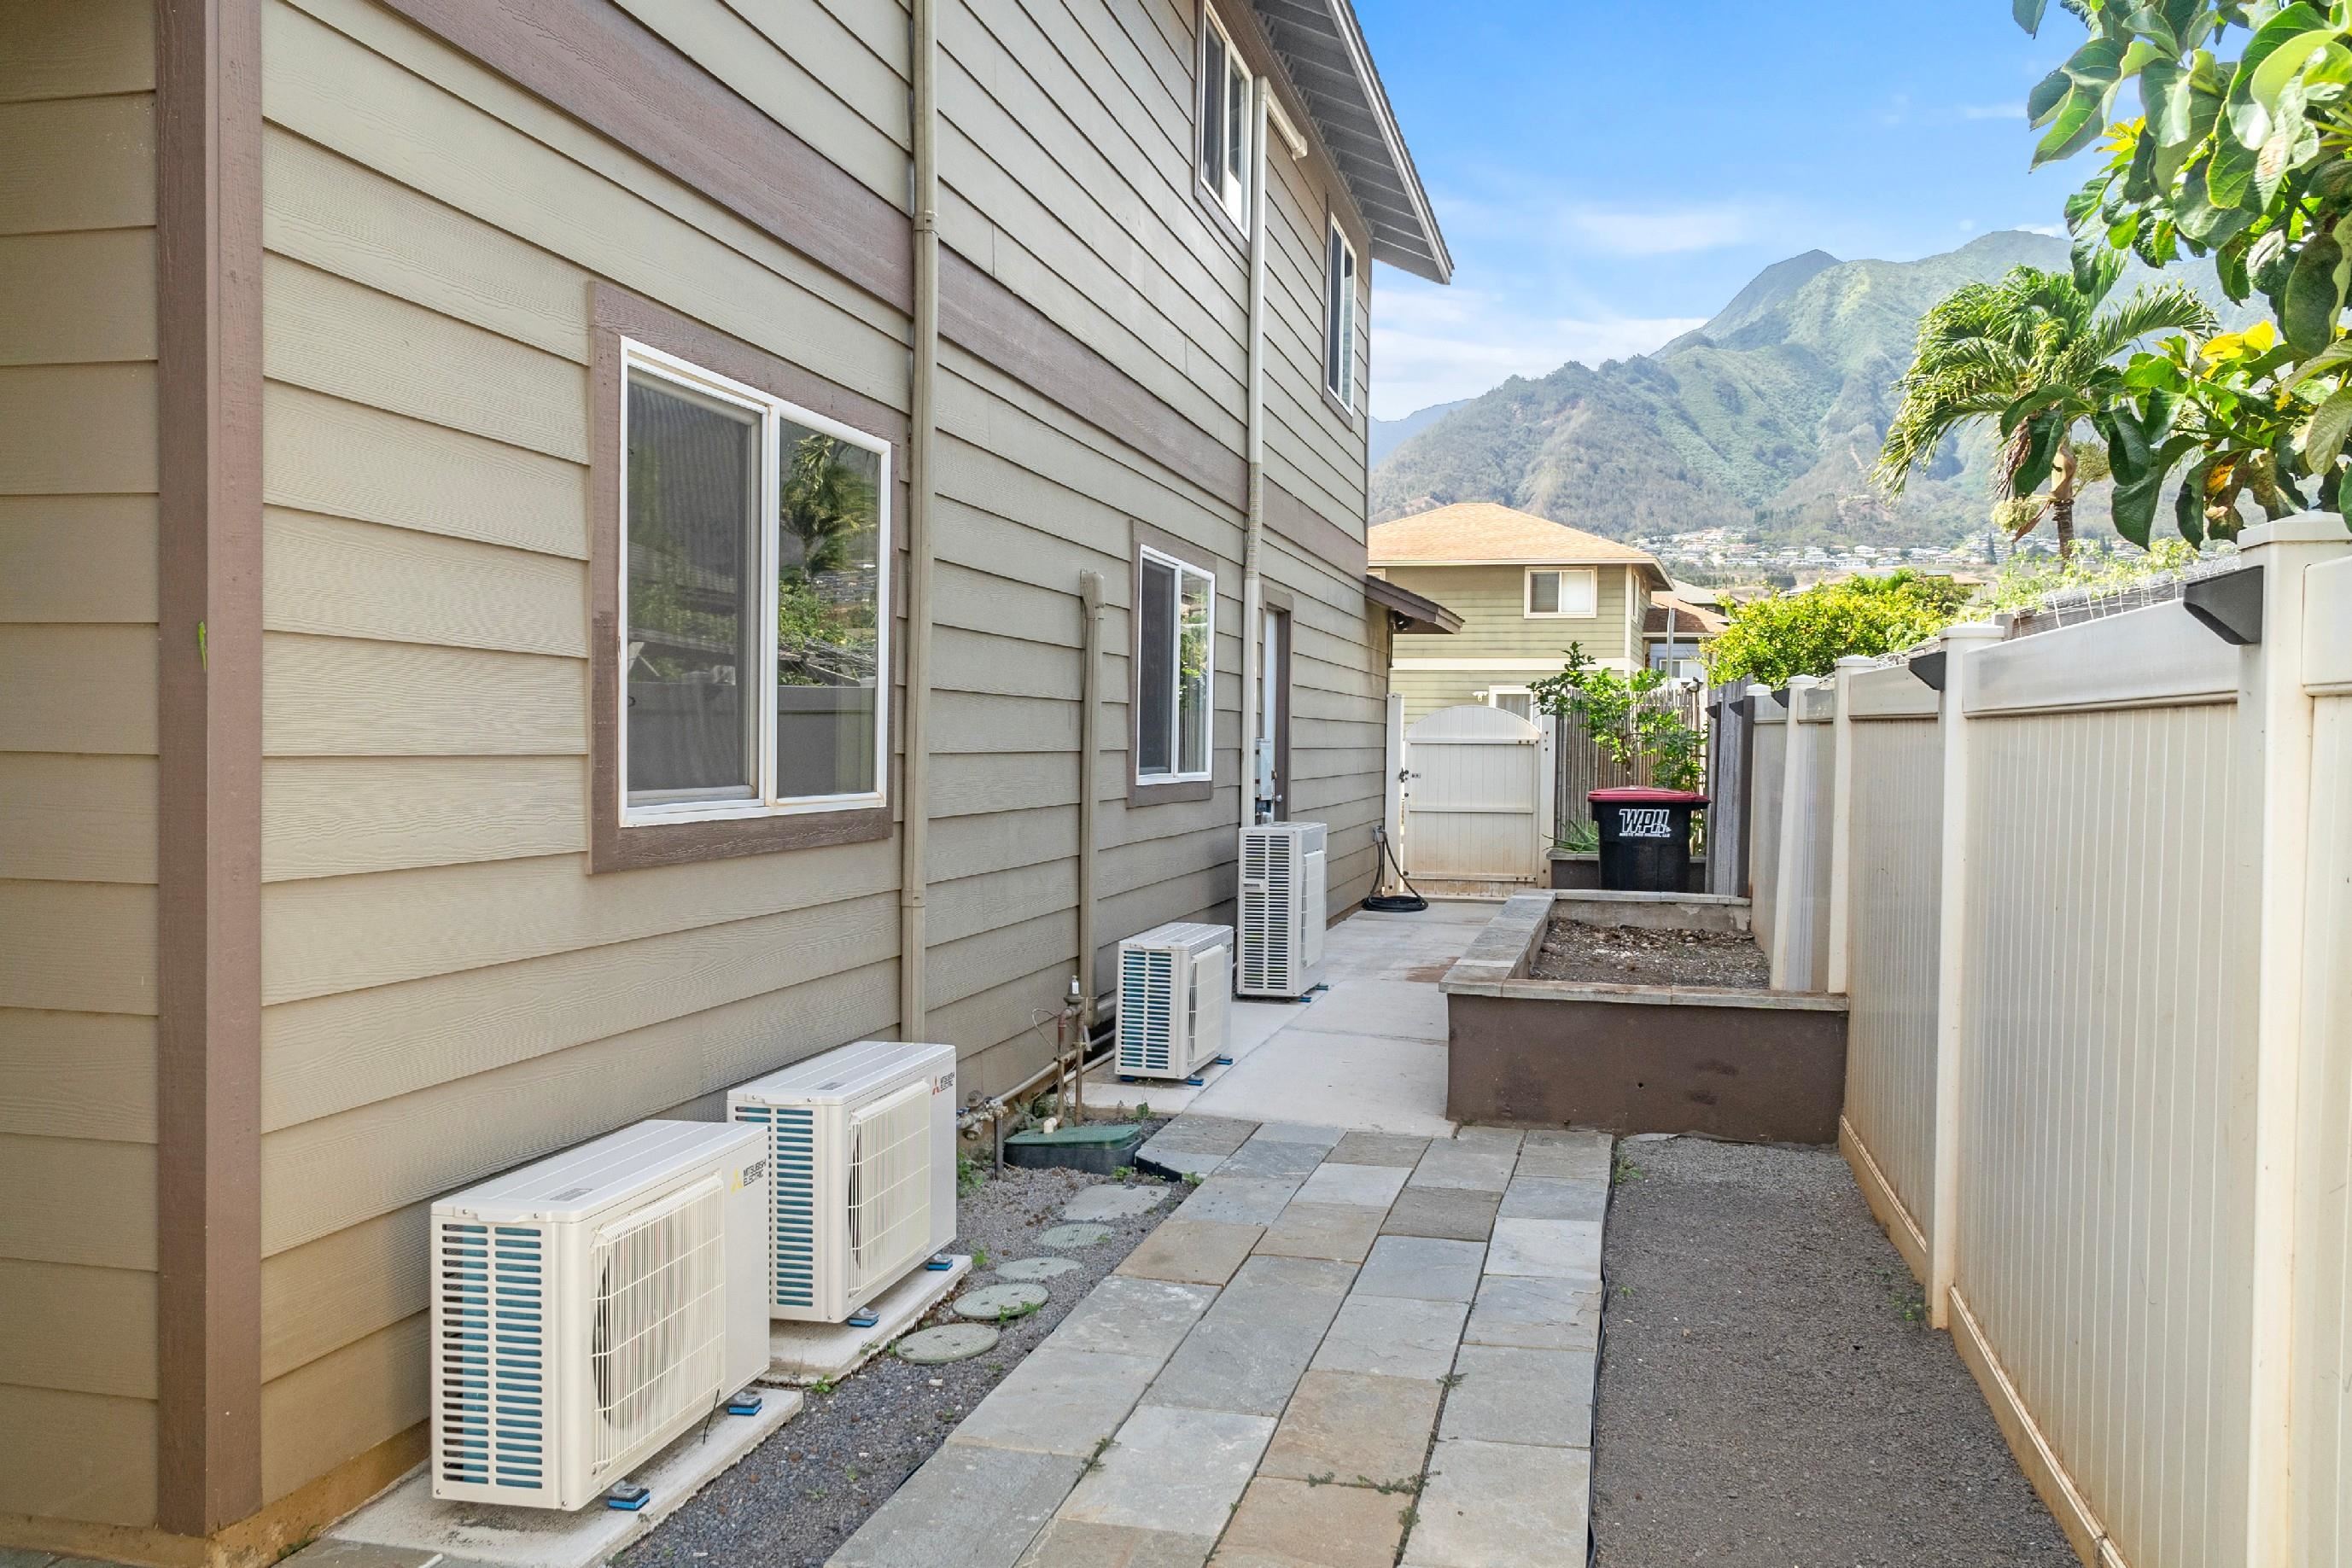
(1224, 120)
(1339, 318)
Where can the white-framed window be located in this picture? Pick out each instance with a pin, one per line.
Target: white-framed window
(1339, 317)
(1175, 669)
(1224, 120)
(755, 599)
(1562, 594)
(1513, 699)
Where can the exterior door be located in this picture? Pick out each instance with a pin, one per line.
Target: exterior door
(1475, 798)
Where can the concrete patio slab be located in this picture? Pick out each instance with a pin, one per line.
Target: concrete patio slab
(1555, 1197)
(1129, 1315)
(971, 1506)
(1398, 1010)
(1192, 1251)
(1394, 1336)
(409, 1519)
(1367, 1186)
(1263, 1156)
(1175, 1470)
(1379, 1149)
(1355, 1427)
(1156, 1158)
(1250, 1348)
(1239, 1199)
(1555, 1248)
(1510, 1396)
(1370, 1081)
(1077, 1543)
(1475, 1166)
(1502, 1505)
(1534, 1314)
(1343, 1232)
(1423, 1267)
(1192, 1144)
(1059, 1401)
(802, 1353)
(1453, 1213)
(1290, 1524)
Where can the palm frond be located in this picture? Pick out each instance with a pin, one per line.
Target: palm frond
(2151, 309)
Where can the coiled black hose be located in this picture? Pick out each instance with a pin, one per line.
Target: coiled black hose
(1410, 902)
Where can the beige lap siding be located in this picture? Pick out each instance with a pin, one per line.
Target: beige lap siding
(449, 991)
(77, 771)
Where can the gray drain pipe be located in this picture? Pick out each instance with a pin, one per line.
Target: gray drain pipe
(1253, 572)
(915, 831)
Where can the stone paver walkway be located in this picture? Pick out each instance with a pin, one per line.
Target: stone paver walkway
(1345, 1350)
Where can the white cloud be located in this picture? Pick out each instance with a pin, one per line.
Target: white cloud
(1432, 345)
(2055, 231)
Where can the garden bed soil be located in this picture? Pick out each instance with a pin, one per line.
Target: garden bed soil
(1627, 955)
(1770, 1391)
(793, 1500)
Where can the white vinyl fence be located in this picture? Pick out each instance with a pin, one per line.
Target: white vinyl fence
(2090, 893)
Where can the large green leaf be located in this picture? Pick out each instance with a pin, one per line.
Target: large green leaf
(2269, 78)
(2315, 296)
(2323, 437)
(2041, 454)
(2167, 96)
(2047, 95)
(2075, 126)
(2231, 174)
(2335, 356)
(2029, 14)
(2189, 507)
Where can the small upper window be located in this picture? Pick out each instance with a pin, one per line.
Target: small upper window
(1175, 640)
(755, 598)
(1339, 319)
(1224, 120)
(1568, 595)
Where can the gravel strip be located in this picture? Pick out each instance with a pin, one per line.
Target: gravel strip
(792, 1503)
(1629, 956)
(1770, 1391)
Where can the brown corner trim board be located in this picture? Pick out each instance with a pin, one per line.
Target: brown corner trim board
(208, 867)
(597, 62)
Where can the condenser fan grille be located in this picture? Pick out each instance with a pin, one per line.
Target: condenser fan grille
(657, 1339)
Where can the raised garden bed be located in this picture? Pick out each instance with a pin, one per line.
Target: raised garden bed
(1655, 1053)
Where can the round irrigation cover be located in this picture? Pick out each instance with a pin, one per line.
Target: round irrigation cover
(1035, 1268)
(952, 1342)
(1068, 1236)
(991, 1303)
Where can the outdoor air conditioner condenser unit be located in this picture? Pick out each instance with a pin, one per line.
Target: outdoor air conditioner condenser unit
(863, 1139)
(588, 1309)
(1175, 992)
(1282, 896)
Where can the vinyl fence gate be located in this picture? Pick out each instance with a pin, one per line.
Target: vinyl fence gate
(1476, 803)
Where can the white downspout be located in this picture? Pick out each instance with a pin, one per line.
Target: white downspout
(915, 835)
(1253, 580)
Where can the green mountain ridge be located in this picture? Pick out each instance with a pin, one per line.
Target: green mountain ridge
(1768, 419)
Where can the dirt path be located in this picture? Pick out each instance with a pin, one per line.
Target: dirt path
(1770, 1393)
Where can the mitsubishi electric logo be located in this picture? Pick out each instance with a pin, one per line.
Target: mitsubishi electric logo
(1643, 823)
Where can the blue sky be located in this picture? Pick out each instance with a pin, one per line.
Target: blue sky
(1609, 175)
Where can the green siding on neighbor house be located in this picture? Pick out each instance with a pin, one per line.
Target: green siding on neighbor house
(1505, 646)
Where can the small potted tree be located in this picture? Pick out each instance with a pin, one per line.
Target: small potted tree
(1643, 831)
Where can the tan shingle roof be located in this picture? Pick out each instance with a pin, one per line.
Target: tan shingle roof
(1689, 620)
(1484, 531)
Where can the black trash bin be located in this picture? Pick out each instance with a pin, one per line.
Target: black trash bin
(1646, 838)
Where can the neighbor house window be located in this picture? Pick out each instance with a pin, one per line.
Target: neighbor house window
(1517, 700)
(1571, 595)
(1224, 120)
(1175, 642)
(754, 602)
(1339, 318)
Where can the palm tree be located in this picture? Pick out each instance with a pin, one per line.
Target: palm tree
(2035, 353)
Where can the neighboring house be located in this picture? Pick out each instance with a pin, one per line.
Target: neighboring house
(501, 511)
(1526, 588)
(1677, 629)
